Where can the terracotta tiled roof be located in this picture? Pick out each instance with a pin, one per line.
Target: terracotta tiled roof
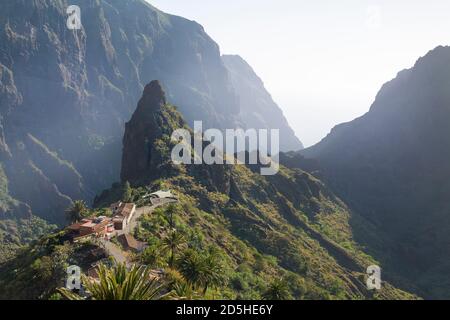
(130, 242)
(75, 226)
(124, 209)
(128, 208)
(90, 225)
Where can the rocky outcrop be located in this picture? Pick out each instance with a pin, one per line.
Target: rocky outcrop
(141, 134)
(147, 145)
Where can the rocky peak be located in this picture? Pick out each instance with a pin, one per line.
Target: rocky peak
(152, 100)
(146, 145)
(146, 135)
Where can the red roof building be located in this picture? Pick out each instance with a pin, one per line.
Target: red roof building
(100, 226)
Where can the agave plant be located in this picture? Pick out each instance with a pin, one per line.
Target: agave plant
(277, 290)
(184, 291)
(117, 283)
(180, 288)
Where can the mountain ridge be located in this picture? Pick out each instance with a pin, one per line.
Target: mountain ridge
(392, 166)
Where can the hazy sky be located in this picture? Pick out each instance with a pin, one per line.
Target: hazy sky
(323, 61)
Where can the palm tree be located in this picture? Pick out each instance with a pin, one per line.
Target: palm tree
(117, 283)
(192, 267)
(173, 241)
(277, 290)
(170, 212)
(153, 256)
(77, 211)
(214, 276)
(202, 271)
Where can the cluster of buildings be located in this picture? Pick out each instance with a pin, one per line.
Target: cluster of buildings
(117, 224)
(104, 227)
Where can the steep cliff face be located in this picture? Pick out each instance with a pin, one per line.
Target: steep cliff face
(142, 158)
(73, 90)
(140, 135)
(147, 144)
(258, 110)
(392, 165)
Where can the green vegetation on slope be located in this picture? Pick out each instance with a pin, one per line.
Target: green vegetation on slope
(392, 167)
(290, 223)
(39, 269)
(16, 233)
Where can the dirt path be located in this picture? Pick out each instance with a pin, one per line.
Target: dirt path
(113, 250)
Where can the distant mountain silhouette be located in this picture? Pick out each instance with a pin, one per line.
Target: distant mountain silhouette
(392, 166)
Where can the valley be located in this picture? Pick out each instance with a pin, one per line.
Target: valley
(101, 167)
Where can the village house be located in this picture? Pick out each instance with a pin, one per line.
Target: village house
(98, 227)
(122, 214)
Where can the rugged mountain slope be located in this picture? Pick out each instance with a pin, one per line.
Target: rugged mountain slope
(258, 110)
(290, 216)
(392, 166)
(262, 229)
(65, 95)
(16, 233)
